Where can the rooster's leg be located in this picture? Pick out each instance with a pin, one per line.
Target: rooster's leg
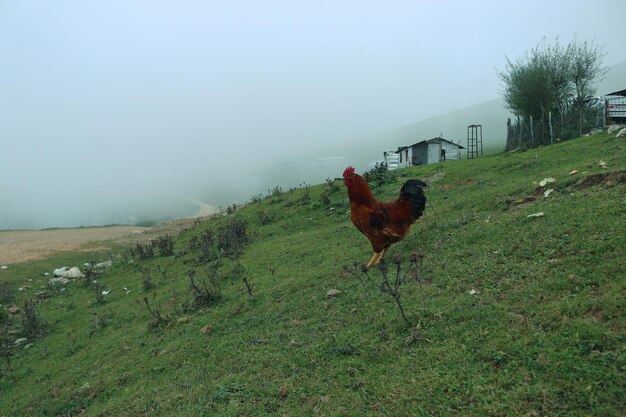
(382, 255)
(374, 259)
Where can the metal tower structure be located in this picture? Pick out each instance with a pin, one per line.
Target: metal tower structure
(474, 141)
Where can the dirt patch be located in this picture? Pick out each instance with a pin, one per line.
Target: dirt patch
(27, 245)
(605, 178)
(450, 185)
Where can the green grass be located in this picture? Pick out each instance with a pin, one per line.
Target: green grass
(544, 335)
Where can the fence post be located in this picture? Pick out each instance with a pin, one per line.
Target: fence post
(551, 133)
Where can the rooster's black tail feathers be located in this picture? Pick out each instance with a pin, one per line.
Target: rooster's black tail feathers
(412, 192)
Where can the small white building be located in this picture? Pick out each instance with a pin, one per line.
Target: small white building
(424, 152)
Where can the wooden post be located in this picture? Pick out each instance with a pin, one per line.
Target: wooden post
(532, 134)
(521, 131)
(551, 132)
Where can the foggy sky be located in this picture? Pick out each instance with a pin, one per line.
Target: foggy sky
(111, 110)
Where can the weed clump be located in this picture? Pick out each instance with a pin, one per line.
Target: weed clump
(206, 290)
(391, 281)
(159, 319)
(275, 192)
(257, 198)
(147, 283)
(379, 175)
(99, 322)
(145, 251)
(207, 251)
(32, 325)
(165, 244)
(99, 288)
(332, 186)
(7, 349)
(232, 238)
(89, 273)
(265, 217)
(7, 293)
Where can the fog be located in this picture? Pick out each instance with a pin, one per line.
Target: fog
(126, 111)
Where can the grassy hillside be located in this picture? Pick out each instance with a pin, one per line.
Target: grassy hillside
(542, 332)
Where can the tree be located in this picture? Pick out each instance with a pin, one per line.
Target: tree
(584, 70)
(548, 80)
(538, 84)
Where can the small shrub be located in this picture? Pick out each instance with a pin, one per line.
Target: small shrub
(160, 319)
(89, 273)
(307, 193)
(193, 243)
(257, 198)
(264, 217)
(147, 283)
(7, 349)
(379, 175)
(275, 192)
(325, 200)
(163, 272)
(7, 293)
(98, 287)
(232, 238)
(100, 321)
(206, 291)
(207, 250)
(165, 244)
(145, 251)
(332, 186)
(231, 209)
(391, 281)
(32, 326)
(238, 271)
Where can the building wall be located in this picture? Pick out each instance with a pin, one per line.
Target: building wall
(452, 151)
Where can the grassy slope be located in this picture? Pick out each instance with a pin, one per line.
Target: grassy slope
(544, 334)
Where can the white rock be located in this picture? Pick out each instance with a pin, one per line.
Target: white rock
(547, 192)
(540, 214)
(621, 133)
(20, 340)
(614, 128)
(545, 181)
(106, 264)
(73, 273)
(59, 280)
(59, 271)
(4, 267)
(473, 292)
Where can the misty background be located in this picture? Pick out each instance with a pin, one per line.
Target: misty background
(127, 111)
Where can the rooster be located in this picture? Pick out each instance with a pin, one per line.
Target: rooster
(383, 223)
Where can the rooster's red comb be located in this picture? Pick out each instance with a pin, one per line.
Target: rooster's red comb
(349, 171)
